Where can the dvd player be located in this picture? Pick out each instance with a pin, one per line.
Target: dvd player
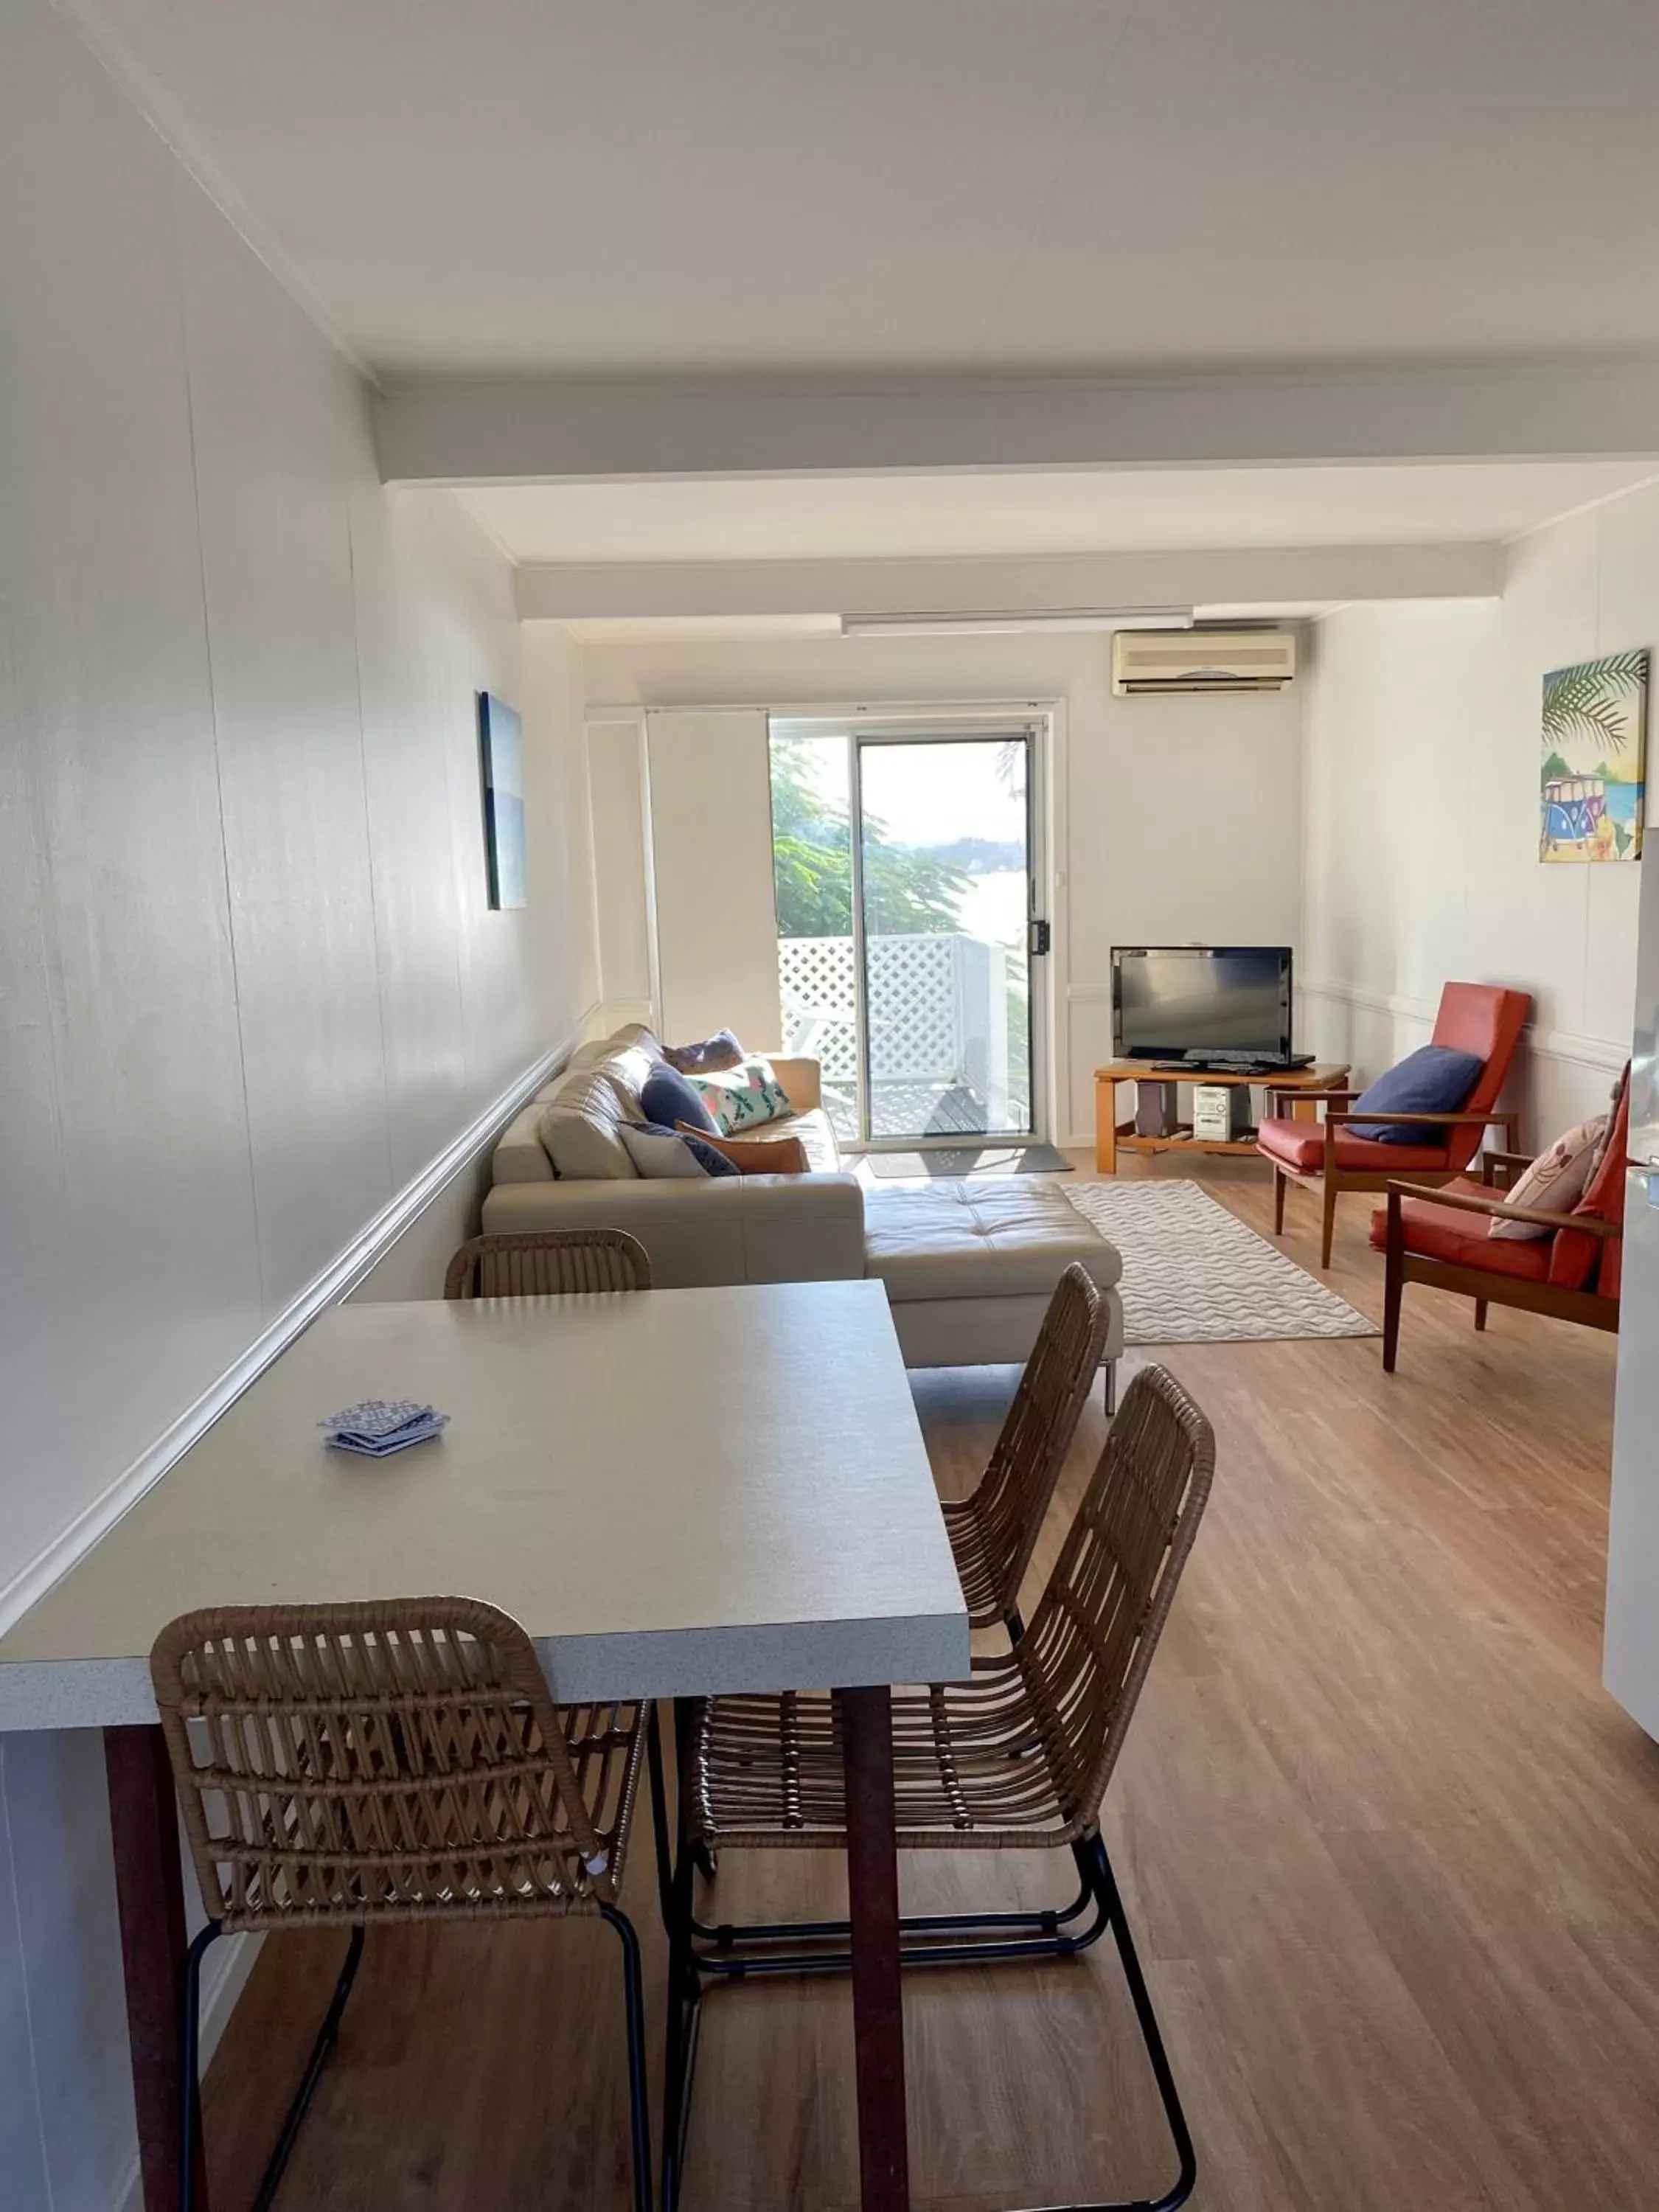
(1194, 1066)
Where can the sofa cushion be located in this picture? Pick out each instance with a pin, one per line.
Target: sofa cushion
(1301, 1146)
(520, 1155)
(669, 1098)
(818, 1136)
(1435, 1079)
(661, 1153)
(579, 1127)
(1001, 1237)
(1434, 1231)
(627, 1068)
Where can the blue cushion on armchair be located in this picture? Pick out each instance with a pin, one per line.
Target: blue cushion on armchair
(1433, 1079)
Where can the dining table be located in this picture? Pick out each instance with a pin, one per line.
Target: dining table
(678, 1493)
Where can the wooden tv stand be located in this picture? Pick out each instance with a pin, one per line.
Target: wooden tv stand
(1112, 1136)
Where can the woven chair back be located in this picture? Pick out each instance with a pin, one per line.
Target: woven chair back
(394, 1761)
(1019, 1479)
(1085, 1654)
(548, 1262)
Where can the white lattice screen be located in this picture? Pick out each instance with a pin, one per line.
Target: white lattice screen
(932, 997)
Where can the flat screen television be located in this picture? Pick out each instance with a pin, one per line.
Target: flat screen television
(1168, 1000)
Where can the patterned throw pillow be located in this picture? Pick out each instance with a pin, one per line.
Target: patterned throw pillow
(1557, 1179)
(742, 1100)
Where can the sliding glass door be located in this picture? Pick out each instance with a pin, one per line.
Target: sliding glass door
(904, 869)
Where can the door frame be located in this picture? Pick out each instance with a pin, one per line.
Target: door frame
(1041, 722)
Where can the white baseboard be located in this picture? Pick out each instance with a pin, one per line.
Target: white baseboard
(345, 1270)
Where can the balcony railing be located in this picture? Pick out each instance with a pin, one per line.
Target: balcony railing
(940, 1030)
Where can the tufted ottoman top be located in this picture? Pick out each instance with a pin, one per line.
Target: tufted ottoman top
(995, 1237)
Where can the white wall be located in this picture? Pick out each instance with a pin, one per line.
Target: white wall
(248, 985)
(1422, 810)
(711, 869)
(1182, 818)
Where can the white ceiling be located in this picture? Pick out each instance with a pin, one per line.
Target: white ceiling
(578, 186)
(900, 517)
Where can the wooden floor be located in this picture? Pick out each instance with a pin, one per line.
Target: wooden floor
(1393, 1855)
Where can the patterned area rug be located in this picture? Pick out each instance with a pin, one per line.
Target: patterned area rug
(1192, 1273)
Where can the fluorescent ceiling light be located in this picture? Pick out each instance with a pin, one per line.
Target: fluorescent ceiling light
(1001, 624)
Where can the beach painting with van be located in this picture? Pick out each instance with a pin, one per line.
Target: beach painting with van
(1594, 759)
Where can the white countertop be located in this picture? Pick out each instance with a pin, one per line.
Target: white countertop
(675, 1491)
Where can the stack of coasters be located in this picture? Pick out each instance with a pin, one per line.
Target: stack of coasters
(379, 1426)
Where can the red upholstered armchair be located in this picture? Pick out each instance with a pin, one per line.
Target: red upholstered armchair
(1482, 1018)
(1443, 1240)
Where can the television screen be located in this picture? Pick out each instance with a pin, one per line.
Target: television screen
(1169, 999)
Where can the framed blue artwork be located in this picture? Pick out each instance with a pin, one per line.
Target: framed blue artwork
(501, 747)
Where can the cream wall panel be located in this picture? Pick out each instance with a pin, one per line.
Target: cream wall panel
(1422, 767)
(1627, 615)
(553, 689)
(711, 847)
(411, 812)
(508, 960)
(22, 2146)
(56, 1810)
(1528, 922)
(273, 415)
(121, 1017)
(616, 764)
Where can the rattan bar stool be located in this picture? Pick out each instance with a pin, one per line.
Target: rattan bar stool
(1017, 1758)
(347, 1766)
(993, 1533)
(546, 1262)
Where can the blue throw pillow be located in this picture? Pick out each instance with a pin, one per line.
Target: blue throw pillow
(665, 1097)
(664, 1153)
(1433, 1079)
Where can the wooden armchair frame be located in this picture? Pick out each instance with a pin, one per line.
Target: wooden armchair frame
(1333, 1180)
(1589, 1308)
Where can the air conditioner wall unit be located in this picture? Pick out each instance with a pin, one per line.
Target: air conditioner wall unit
(1145, 662)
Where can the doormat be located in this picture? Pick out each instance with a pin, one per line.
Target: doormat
(1193, 1273)
(957, 1160)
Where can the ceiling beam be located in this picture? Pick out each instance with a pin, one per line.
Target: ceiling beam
(608, 590)
(563, 432)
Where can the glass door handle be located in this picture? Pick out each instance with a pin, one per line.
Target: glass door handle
(1039, 941)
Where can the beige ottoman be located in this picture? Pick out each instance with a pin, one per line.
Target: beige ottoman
(969, 1266)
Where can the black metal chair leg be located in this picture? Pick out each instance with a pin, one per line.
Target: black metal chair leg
(659, 1820)
(190, 2086)
(684, 1988)
(327, 2035)
(639, 2107)
(1187, 2177)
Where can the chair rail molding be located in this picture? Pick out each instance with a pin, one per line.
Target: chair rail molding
(341, 1275)
(1568, 1045)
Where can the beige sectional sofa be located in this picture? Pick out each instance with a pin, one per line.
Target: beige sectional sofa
(969, 1266)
